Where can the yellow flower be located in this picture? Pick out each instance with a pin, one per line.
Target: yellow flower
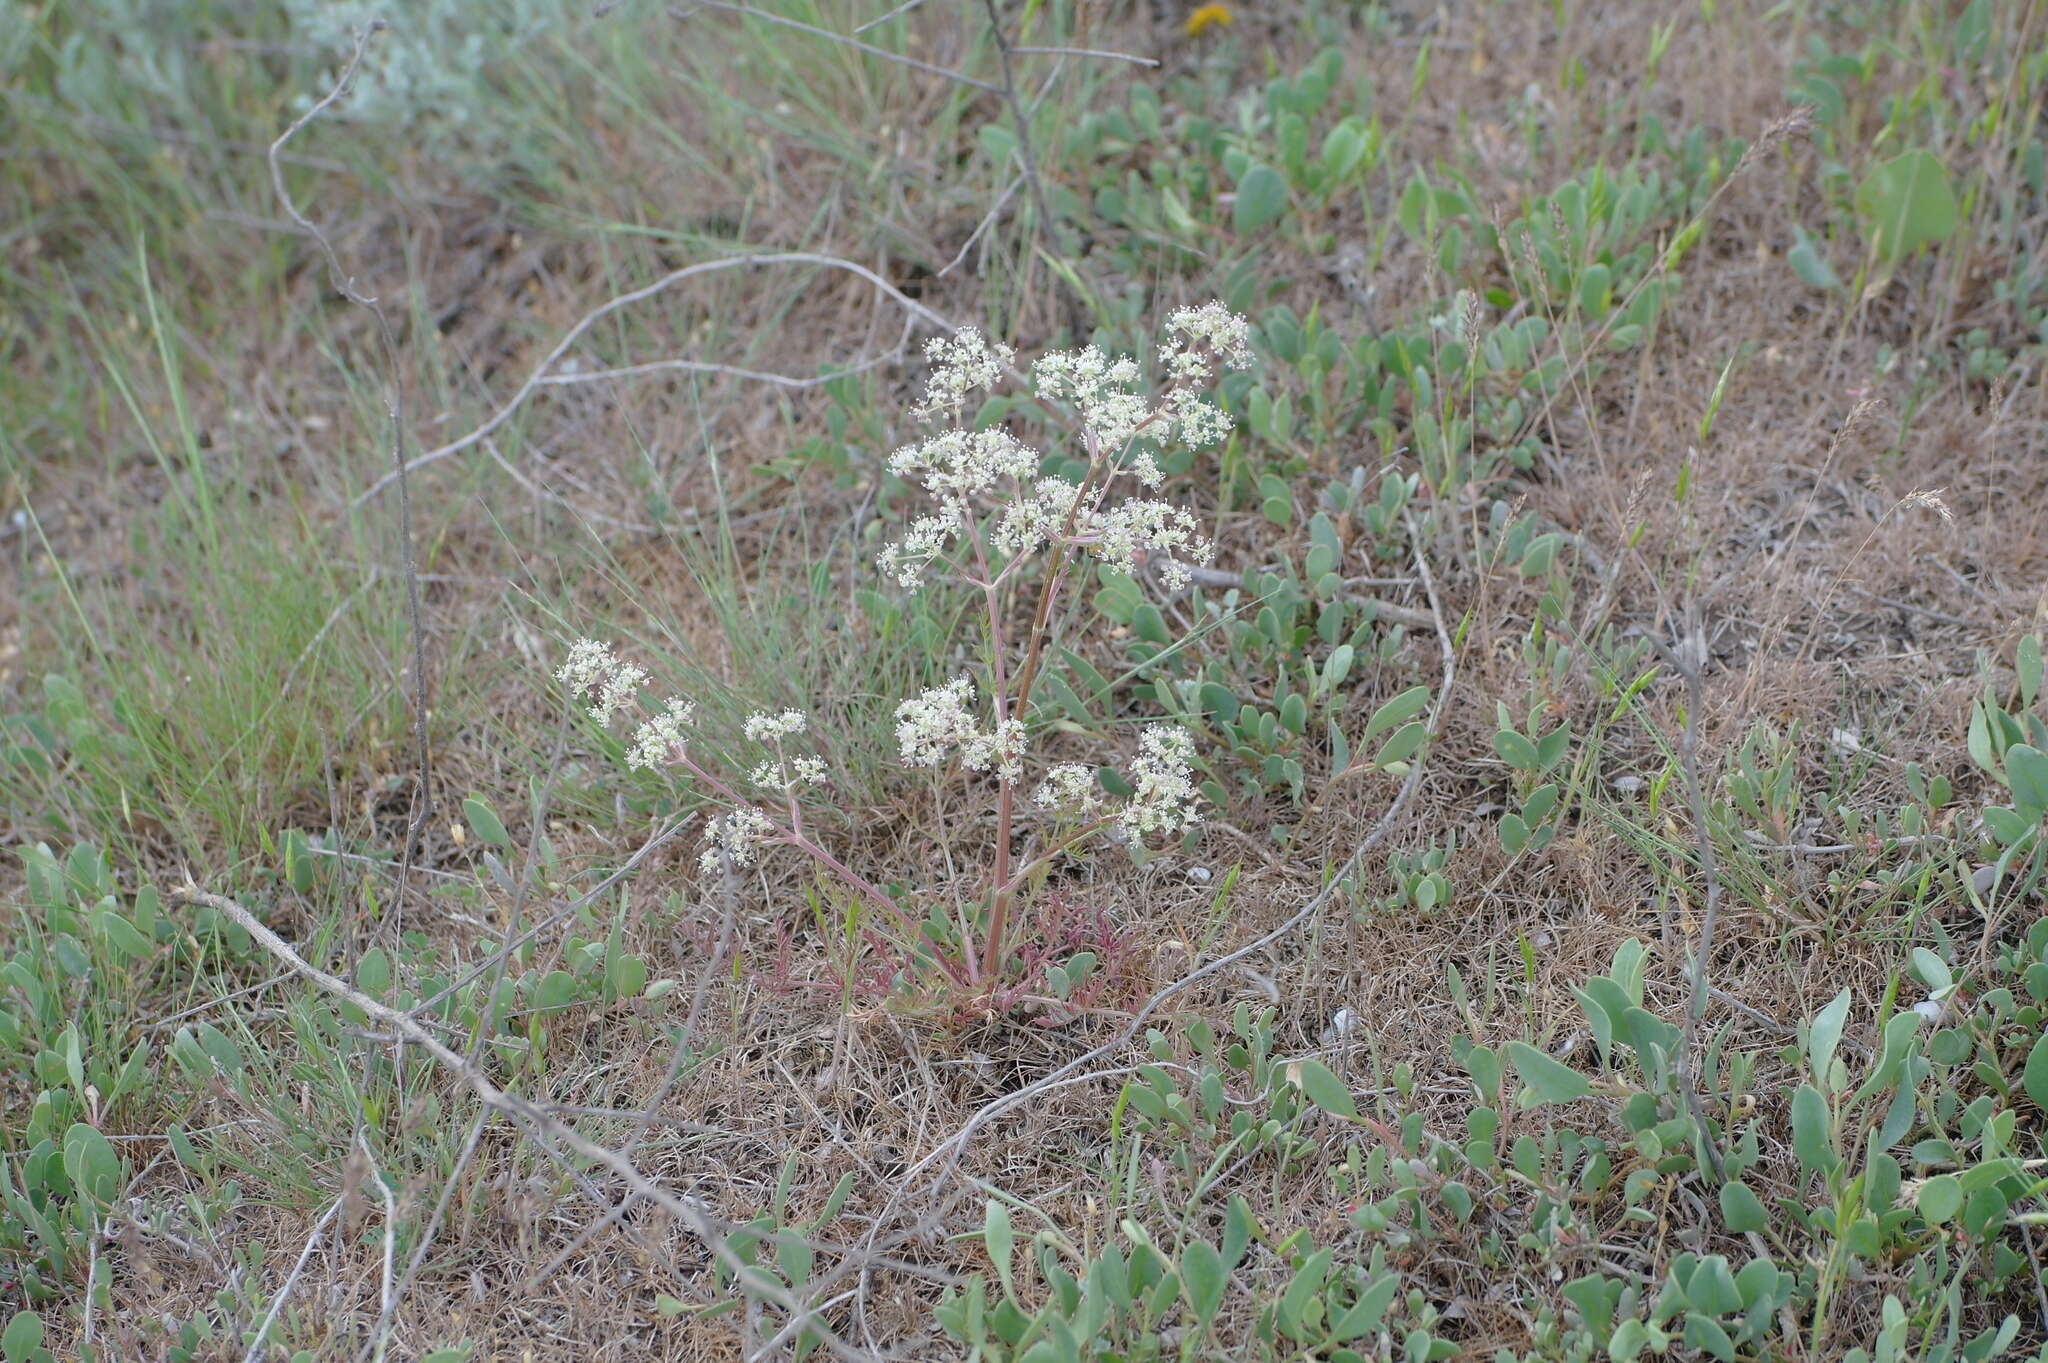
(1208, 17)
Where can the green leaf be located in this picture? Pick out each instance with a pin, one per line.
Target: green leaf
(1809, 264)
(1368, 1311)
(1325, 1089)
(1932, 970)
(2027, 661)
(1217, 700)
(1515, 750)
(2034, 1078)
(1394, 713)
(1941, 1197)
(2026, 769)
(298, 861)
(1909, 203)
(1741, 1210)
(1307, 1282)
(1261, 198)
(1402, 745)
(373, 973)
(22, 1337)
(1549, 1080)
(1810, 1136)
(1202, 1278)
(1826, 1034)
(484, 822)
(1000, 1239)
(91, 1164)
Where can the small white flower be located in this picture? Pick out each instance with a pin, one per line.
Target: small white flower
(962, 464)
(762, 727)
(1002, 750)
(1099, 388)
(1164, 798)
(1199, 422)
(594, 670)
(935, 723)
(788, 774)
(1211, 327)
(927, 538)
(1032, 521)
(737, 835)
(1159, 531)
(960, 365)
(661, 740)
(1070, 789)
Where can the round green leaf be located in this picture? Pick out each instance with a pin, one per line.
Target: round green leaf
(1261, 198)
(1941, 1197)
(23, 1336)
(1909, 204)
(1741, 1210)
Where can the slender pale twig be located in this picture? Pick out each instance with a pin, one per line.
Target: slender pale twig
(544, 1127)
(284, 1291)
(540, 375)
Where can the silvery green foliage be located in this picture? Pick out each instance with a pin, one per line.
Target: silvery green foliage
(429, 64)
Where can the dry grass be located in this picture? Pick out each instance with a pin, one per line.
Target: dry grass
(1829, 602)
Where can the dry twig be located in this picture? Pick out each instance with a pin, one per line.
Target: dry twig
(544, 1128)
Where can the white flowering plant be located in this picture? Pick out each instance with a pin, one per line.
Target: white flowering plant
(1015, 537)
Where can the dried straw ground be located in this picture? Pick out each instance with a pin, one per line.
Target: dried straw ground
(1825, 601)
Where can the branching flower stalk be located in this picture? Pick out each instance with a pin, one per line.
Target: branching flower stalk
(998, 520)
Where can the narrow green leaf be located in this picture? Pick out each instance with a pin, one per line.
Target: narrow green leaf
(1000, 1239)
(484, 822)
(1394, 713)
(1826, 1034)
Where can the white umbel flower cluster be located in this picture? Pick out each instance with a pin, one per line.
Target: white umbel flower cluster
(960, 464)
(1123, 431)
(935, 723)
(1158, 533)
(1070, 789)
(762, 727)
(962, 364)
(737, 835)
(593, 670)
(660, 740)
(940, 722)
(1201, 338)
(1164, 798)
(1124, 535)
(1100, 390)
(789, 774)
